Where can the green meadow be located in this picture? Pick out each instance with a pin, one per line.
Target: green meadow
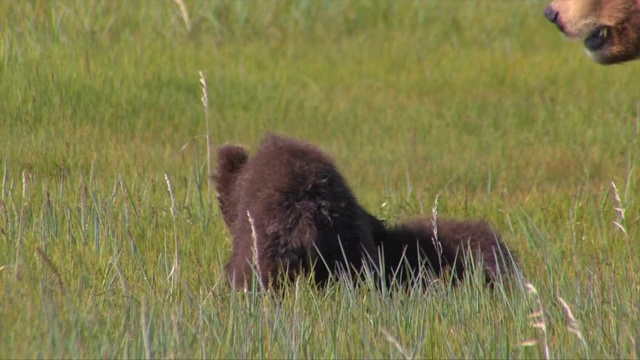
(111, 242)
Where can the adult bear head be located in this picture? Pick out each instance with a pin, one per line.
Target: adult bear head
(609, 29)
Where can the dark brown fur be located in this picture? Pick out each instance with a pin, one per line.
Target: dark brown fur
(414, 246)
(303, 211)
(307, 220)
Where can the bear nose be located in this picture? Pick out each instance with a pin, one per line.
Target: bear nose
(551, 14)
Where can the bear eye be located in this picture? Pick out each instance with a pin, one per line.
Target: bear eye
(598, 39)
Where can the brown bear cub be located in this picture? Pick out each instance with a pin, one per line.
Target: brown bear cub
(305, 217)
(290, 203)
(418, 245)
(609, 29)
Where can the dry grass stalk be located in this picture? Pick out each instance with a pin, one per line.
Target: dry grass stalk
(123, 282)
(23, 214)
(175, 270)
(572, 323)
(185, 14)
(205, 103)
(25, 187)
(116, 190)
(53, 268)
(405, 353)
(538, 321)
(620, 210)
(434, 222)
(254, 237)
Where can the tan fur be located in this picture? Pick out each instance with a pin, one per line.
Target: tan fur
(610, 29)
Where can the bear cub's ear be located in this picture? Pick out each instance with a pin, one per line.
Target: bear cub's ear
(231, 161)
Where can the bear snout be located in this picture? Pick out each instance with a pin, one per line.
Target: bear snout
(551, 14)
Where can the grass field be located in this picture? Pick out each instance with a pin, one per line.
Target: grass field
(478, 104)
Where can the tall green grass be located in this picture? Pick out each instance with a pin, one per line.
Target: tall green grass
(481, 105)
